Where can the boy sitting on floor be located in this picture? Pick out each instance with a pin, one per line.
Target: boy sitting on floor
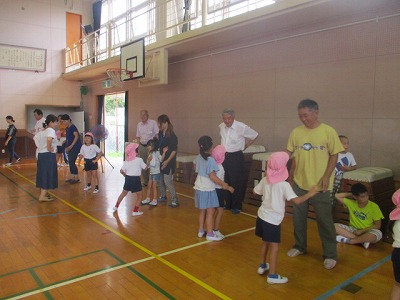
(365, 218)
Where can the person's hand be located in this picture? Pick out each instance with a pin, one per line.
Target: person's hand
(165, 149)
(6, 143)
(164, 164)
(230, 189)
(315, 189)
(324, 184)
(68, 149)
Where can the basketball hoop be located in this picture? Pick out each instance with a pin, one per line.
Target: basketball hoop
(117, 76)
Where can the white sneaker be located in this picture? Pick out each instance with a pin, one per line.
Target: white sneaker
(95, 191)
(217, 233)
(366, 245)
(146, 201)
(8, 164)
(263, 268)
(154, 202)
(115, 209)
(341, 239)
(200, 234)
(137, 213)
(213, 238)
(88, 187)
(280, 279)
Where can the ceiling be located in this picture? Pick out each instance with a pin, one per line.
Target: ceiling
(273, 22)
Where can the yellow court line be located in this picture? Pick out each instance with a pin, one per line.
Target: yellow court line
(137, 245)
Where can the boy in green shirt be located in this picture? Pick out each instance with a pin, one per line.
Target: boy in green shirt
(365, 218)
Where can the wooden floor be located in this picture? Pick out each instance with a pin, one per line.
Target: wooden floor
(76, 248)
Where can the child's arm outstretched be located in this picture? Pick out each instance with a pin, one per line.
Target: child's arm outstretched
(312, 192)
(214, 178)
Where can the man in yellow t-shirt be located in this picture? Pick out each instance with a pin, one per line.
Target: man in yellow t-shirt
(315, 147)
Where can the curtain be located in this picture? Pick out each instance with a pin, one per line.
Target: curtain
(100, 112)
(186, 15)
(96, 15)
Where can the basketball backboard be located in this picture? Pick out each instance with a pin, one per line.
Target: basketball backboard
(133, 60)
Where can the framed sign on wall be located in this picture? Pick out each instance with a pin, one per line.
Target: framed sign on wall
(22, 58)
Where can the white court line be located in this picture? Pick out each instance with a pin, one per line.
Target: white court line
(51, 287)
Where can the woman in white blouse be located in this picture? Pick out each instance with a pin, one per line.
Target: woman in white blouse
(46, 174)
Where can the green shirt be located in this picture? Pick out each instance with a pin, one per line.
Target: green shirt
(362, 217)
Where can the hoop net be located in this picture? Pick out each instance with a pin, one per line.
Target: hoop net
(117, 75)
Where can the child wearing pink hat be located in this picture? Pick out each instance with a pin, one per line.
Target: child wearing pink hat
(395, 216)
(218, 153)
(275, 191)
(205, 195)
(91, 153)
(131, 170)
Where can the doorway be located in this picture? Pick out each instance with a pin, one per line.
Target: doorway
(114, 121)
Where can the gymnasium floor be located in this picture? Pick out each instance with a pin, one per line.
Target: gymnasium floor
(76, 248)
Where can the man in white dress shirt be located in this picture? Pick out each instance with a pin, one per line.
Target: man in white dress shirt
(38, 114)
(146, 130)
(235, 137)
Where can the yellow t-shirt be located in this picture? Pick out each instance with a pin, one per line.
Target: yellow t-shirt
(312, 148)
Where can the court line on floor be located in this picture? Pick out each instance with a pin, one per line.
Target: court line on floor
(137, 245)
(353, 278)
(44, 289)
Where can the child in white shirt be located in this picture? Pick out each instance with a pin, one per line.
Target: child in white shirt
(275, 191)
(153, 162)
(131, 170)
(91, 153)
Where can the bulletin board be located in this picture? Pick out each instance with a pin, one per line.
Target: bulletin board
(22, 58)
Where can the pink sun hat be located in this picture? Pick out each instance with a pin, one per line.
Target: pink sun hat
(131, 151)
(395, 214)
(276, 167)
(218, 154)
(89, 134)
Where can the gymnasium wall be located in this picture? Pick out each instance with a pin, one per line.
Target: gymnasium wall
(352, 71)
(38, 24)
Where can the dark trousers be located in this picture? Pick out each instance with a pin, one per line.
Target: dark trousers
(11, 151)
(72, 156)
(235, 177)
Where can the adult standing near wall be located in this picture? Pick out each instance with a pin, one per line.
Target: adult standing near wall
(40, 120)
(11, 140)
(168, 144)
(315, 147)
(74, 145)
(235, 137)
(146, 130)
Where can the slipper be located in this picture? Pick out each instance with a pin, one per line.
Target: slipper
(329, 263)
(294, 252)
(46, 199)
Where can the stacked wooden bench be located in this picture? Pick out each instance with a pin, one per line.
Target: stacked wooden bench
(184, 168)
